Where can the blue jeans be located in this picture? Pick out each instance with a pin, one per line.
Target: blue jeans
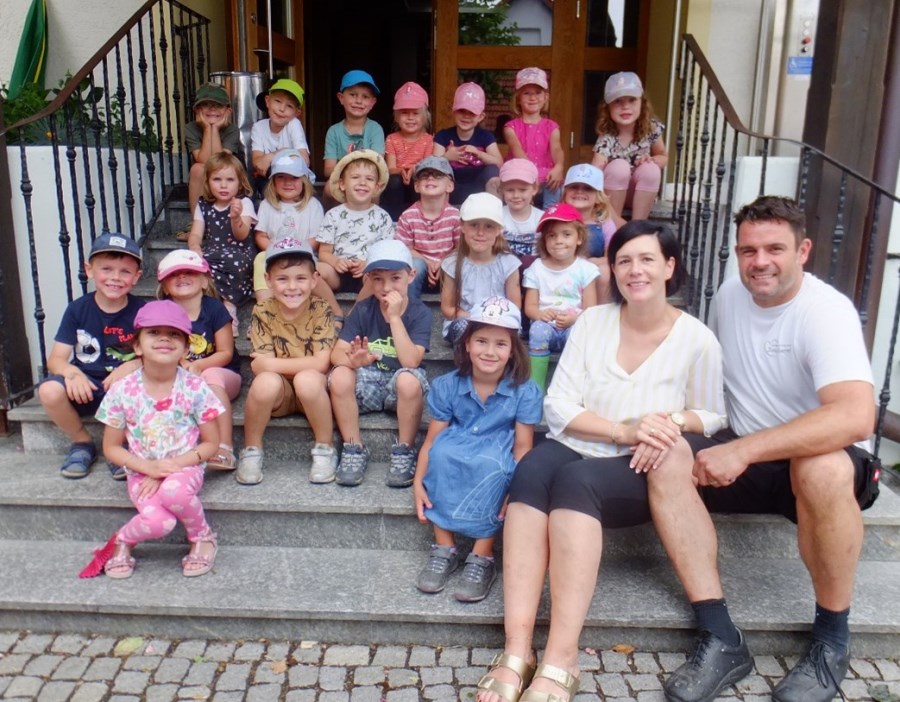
(545, 337)
(420, 281)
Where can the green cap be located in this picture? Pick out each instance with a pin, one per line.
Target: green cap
(212, 92)
(288, 86)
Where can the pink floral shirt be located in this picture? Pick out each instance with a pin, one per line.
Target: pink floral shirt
(158, 429)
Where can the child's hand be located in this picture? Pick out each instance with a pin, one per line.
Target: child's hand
(194, 367)
(79, 389)
(434, 271)
(453, 153)
(341, 265)
(555, 177)
(236, 209)
(392, 305)
(421, 501)
(259, 363)
(164, 467)
(359, 354)
(599, 161)
(566, 318)
(148, 487)
(548, 315)
(356, 267)
(406, 174)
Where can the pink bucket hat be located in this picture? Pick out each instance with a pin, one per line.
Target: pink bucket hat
(519, 169)
(469, 96)
(163, 313)
(410, 96)
(532, 76)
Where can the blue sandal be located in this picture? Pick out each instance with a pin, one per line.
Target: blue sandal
(116, 471)
(79, 460)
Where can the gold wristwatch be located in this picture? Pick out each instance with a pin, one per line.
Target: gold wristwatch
(678, 420)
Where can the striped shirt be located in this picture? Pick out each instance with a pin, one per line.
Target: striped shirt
(408, 153)
(430, 238)
(683, 373)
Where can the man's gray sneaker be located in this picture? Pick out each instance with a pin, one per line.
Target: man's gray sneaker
(352, 468)
(442, 561)
(403, 466)
(324, 462)
(816, 677)
(249, 470)
(477, 578)
(711, 667)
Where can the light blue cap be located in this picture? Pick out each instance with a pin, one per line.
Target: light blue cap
(585, 173)
(358, 77)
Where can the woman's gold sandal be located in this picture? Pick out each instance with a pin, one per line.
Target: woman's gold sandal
(561, 677)
(507, 691)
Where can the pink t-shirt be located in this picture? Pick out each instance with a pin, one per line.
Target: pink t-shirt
(535, 141)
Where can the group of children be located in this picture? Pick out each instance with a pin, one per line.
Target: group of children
(169, 372)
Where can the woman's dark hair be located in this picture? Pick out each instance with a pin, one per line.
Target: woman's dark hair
(518, 367)
(668, 244)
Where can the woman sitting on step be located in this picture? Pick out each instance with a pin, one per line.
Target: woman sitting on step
(633, 376)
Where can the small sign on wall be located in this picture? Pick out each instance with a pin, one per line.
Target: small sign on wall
(799, 65)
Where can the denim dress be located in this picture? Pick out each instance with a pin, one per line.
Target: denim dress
(470, 464)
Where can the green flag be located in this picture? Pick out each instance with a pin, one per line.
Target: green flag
(31, 58)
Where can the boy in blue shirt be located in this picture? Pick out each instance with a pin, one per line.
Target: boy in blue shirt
(92, 348)
(377, 363)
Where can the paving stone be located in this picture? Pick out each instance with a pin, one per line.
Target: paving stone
(754, 685)
(161, 693)
(124, 698)
(588, 662)
(889, 669)
(100, 646)
(264, 693)
(670, 662)
(278, 651)
(484, 656)
(615, 662)
(250, 651)
(347, 655)
(222, 652)
(645, 663)
(303, 676)
(368, 675)
(756, 698)
(196, 692)
(612, 684)
(436, 675)
(455, 657)
(71, 668)
(423, 655)
(23, 686)
(33, 643)
(855, 689)
(768, 666)
(157, 647)
(408, 694)
(234, 677)
(5, 680)
(131, 682)
(90, 692)
(366, 694)
(313, 654)
(586, 697)
(390, 656)
(147, 664)
(402, 677)
(201, 674)
(265, 673)
(470, 675)
(638, 682)
(66, 643)
(56, 691)
(192, 649)
(468, 693)
(334, 696)
(172, 670)
(102, 669)
(332, 677)
(42, 666)
(14, 663)
(229, 696)
(7, 640)
(439, 693)
(300, 696)
(651, 696)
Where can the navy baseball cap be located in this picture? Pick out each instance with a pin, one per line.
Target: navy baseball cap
(116, 243)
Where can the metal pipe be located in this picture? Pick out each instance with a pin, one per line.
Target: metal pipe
(673, 61)
(242, 35)
(269, 32)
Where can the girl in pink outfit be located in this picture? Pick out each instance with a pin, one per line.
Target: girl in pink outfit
(533, 135)
(166, 415)
(404, 148)
(629, 147)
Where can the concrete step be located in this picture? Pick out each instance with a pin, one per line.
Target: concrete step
(286, 510)
(354, 594)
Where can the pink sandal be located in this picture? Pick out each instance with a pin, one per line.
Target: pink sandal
(121, 565)
(223, 460)
(204, 561)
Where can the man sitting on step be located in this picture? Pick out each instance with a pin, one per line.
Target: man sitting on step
(800, 403)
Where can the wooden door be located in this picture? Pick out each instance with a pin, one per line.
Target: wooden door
(287, 33)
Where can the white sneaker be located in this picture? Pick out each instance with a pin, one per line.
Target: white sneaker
(249, 470)
(324, 462)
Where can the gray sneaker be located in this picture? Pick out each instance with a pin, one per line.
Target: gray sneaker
(477, 578)
(352, 468)
(249, 470)
(324, 461)
(441, 563)
(403, 466)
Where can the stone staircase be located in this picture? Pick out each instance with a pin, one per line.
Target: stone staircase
(303, 561)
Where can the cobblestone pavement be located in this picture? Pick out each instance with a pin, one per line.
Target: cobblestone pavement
(86, 668)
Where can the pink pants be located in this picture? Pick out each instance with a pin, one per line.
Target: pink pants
(224, 378)
(618, 175)
(175, 500)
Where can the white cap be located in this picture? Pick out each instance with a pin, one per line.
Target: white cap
(388, 255)
(497, 311)
(482, 206)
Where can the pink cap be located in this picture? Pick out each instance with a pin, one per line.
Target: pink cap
(532, 76)
(519, 169)
(181, 260)
(163, 313)
(560, 212)
(410, 96)
(469, 96)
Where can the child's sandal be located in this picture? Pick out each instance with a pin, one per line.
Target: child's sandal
(223, 460)
(205, 562)
(121, 565)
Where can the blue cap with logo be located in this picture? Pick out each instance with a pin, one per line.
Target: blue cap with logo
(114, 242)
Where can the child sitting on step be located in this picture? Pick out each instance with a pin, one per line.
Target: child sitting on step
(167, 416)
(482, 423)
(377, 366)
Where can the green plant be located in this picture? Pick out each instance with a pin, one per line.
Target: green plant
(484, 22)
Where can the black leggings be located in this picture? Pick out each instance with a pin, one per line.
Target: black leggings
(553, 476)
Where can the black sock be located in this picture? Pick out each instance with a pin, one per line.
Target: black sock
(712, 616)
(832, 627)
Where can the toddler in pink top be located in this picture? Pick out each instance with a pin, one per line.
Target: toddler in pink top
(533, 135)
(406, 146)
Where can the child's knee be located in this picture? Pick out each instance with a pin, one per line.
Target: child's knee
(342, 381)
(647, 177)
(409, 387)
(198, 172)
(309, 385)
(265, 387)
(52, 393)
(617, 174)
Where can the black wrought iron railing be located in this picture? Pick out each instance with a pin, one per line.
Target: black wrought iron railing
(718, 159)
(102, 155)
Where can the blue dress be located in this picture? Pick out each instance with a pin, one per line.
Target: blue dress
(470, 464)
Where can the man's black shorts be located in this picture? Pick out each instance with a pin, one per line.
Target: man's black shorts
(765, 488)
